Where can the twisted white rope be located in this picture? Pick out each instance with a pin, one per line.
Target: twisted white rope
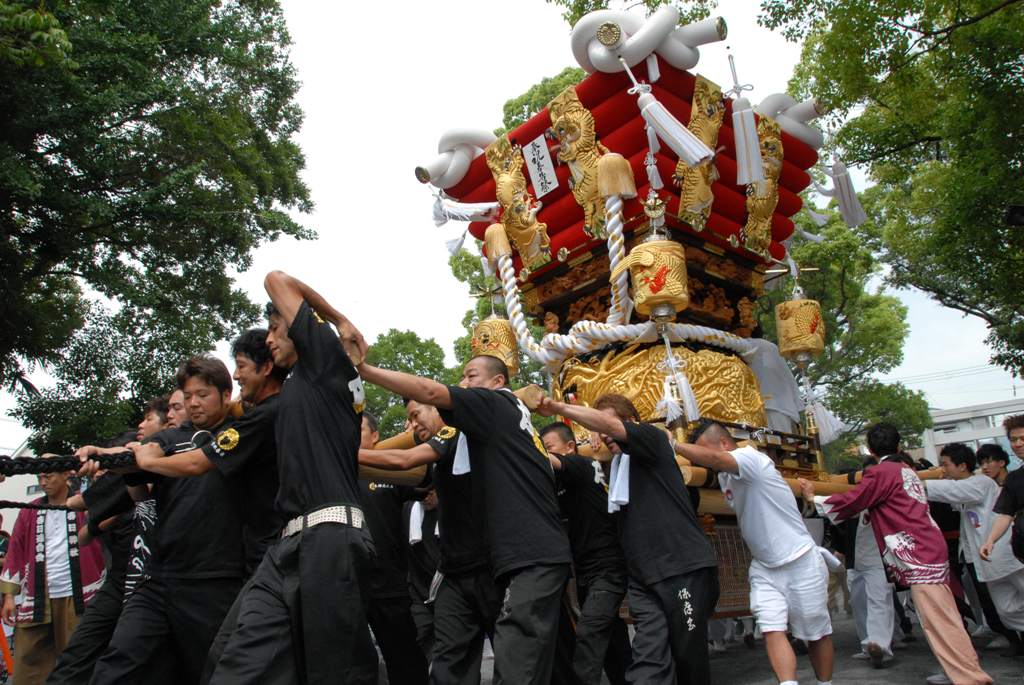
(658, 33)
(456, 151)
(587, 336)
(621, 305)
(792, 117)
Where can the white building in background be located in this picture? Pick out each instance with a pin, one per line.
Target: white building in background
(18, 489)
(974, 426)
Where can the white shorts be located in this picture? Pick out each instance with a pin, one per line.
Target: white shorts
(793, 595)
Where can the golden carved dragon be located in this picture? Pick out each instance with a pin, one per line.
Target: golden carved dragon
(695, 196)
(573, 125)
(800, 327)
(519, 209)
(763, 196)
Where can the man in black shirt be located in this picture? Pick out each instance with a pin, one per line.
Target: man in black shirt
(390, 612)
(424, 555)
(529, 551)
(673, 575)
(303, 615)
(467, 601)
(111, 517)
(601, 635)
(198, 558)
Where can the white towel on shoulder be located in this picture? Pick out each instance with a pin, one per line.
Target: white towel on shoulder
(618, 484)
(461, 463)
(416, 523)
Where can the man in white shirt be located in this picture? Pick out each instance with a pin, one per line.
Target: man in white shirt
(788, 577)
(1002, 577)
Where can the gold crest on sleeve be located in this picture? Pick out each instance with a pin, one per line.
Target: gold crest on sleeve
(446, 433)
(227, 440)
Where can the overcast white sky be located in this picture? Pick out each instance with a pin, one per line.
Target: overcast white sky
(380, 83)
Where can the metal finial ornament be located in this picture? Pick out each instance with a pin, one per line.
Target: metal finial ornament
(609, 34)
(563, 254)
(654, 208)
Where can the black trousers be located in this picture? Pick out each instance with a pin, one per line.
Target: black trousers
(524, 635)
(75, 664)
(562, 672)
(465, 610)
(602, 638)
(165, 617)
(303, 616)
(220, 640)
(677, 608)
(423, 619)
(393, 626)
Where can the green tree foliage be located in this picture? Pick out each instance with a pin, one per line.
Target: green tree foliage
(865, 333)
(940, 93)
(519, 110)
(31, 36)
(104, 376)
(146, 170)
(401, 351)
(689, 10)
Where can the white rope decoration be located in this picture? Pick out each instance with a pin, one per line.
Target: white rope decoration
(640, 38)
(792, 117)
(456, 151)
(621, 305)
(587, 336)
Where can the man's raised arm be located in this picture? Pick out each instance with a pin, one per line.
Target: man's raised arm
(287, 293)
(422, 390)
(709, 458)
(595, 420)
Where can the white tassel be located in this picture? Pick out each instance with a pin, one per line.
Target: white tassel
(811, 237)
(688, 147)
(653, 70)
(455, 244)
(749, 165)
(446, 209)
(486, 266)
(842, 190)
(653, 175)
(849, 205)
(829, 425)
(689, 399)
(818, 219)
(669, 405)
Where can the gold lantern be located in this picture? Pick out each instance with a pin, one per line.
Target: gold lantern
(800, 328)
(657, 268)
(494, 337)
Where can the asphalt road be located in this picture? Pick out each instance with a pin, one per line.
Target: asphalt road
(739, 665)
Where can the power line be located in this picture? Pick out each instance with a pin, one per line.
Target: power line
(945, 375)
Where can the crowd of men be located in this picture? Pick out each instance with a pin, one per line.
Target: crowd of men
(244, 547)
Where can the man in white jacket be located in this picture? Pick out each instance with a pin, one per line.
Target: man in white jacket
(974, 495)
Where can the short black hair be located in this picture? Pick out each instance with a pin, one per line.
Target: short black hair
(159, 406)
(270, 310)
(562, 430)
(253, 345)
(371, 421)
(1013, 422)
(883, 439)
(959, 453)
(495, 366)
(715, 428)
(207, 368)
(992, 452)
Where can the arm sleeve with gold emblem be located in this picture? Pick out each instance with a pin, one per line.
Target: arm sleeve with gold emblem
(235, 445)
(444, 441)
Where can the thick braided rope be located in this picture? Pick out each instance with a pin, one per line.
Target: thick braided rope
(514, 309)
(620, 306)
(41, 506)
(18, 466)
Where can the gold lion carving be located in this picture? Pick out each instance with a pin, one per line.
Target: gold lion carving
(519, 209)
(695, 195)
(573, 125)
(494, 336)
(763, 196)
